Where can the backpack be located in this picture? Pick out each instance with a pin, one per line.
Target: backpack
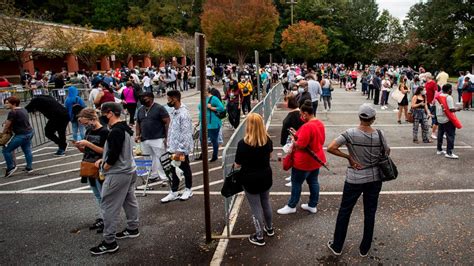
(220, 115)
(76, 109)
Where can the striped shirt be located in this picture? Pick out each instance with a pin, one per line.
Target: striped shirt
(365, 148)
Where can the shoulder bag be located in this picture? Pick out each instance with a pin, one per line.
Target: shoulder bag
(88, 169)
(387, 169)
(232, 185)
(5, 138)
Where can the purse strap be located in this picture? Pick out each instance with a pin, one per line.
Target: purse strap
(382, 141)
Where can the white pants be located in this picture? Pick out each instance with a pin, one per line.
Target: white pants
(154, 148)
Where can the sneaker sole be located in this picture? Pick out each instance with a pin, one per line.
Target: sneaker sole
(332, 250)
(128, 236)
(268, 234)
(106, 251)
(190, 196)
(257, 243)
(11, 172)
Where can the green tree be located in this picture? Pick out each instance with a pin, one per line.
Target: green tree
(232, 29)
(109, 14)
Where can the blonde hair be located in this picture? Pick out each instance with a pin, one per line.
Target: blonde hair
(255, 133)
(88, 113)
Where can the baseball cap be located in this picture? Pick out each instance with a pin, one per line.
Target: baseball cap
(113, 107)
(366, 111)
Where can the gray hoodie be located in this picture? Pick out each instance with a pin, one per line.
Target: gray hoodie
(118, 150)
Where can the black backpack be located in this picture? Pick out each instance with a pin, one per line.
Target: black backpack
(220, 115)
(76, 109)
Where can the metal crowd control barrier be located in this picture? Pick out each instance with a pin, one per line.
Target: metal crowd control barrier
(264, 108)
(38, 122)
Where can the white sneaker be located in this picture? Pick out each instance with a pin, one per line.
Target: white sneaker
(395, 110)
(288, 184)
(305, 207)
(288, 178)
(187, 194)
(440, 152)
(433, 136)
(286, 210)
(170, 197)
(451, 156)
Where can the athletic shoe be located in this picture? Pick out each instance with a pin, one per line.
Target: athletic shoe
(170, 197)
(288, 178)
(27, 170)
(288, 184)
(332, 249)
(363, 254)
(451, 156)
(127, 233)
(305, 207)
(286, 210)
(440, 152)
(254, 240)
(269, 231)
(395, 110)
(60, 153)
(10, 172)
(103, 248)
(98, 223)
(188, 193)
(433, 136)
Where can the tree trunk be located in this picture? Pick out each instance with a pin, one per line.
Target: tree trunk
(241, 55)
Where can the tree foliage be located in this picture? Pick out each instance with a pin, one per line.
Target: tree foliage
(392, 43)
(129, 42)
(237, 27)
(304, 40)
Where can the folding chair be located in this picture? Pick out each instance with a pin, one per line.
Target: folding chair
(144, 172)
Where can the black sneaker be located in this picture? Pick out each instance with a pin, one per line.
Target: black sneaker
(363, 254)
(332, 249)
(103, 248)
(100, 230)
(127, 233)
(98, 223)
(269, 232)
(10, 172)
(27, 170)
(258, 242)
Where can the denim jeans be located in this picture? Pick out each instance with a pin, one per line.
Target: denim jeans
(96, 188)
(214, 137)
(450, 131)
(23, 141)
(350, 196)
(77, 128)
(297, 179)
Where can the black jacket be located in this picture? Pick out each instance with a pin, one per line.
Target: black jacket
(49, 107)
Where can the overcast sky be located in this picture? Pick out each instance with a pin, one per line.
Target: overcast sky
(398, 8)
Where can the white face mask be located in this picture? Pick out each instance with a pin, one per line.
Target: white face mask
(300, 90)
(423, 93)
(294, 92)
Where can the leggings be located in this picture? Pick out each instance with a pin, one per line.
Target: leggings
(261, 209)
(327, 102)
(131, 108)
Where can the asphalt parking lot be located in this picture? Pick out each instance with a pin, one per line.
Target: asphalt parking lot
(425, 216)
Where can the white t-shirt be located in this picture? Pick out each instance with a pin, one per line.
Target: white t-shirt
(386, 85)
(146, 81)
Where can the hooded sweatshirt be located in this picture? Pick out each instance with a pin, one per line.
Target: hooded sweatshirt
(72, 99)
(49, 107)
(118, 150)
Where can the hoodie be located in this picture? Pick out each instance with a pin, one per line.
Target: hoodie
(49, 107)
(72, 99)
(118, 150)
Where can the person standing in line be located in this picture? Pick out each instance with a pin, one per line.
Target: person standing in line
(442, 78)
(151, 131)
(377, 86)
(386, 85)
(246, 87)
(460, 84)
(74, 104)
(420, 115)
(253, 157)
(93, 147)
(17, 123)
(311, 136)
(146, 82)
(180, 144)
(118, 190)
(326, 92)
(214, 123)
(58, 119)
(403, 105)
(314, 89)
(466, 93)
(233, 97)
(362, 177)
(130, 98)
(448, 122)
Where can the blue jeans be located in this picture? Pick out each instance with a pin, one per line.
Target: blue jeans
(214, 137)
(96, 189)
(23, 141)
(77, 128)
(370, 193)
(297, 179)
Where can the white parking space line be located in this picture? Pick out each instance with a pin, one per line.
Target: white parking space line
(44, 154)
(48, 160)
(39, 177)
(50, 184)
(194, 175)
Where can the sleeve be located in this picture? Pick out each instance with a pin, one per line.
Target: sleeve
(341, 140)
(163, 113)
(186, 126)
(450, 102)
(284, 131)
(250, 86)
(270, 145)
(218, 104)
(239, 154)
(115, 141)
(103, 136)
(82, 103)
(304, 136)
(385, 144)
(11, 116)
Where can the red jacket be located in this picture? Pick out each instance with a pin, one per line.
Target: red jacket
(431, 87)
(311, 134)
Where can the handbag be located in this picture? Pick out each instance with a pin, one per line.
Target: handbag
(232, 185)
(288, 161)
(398, 95)
(5, 138)
(89, 169)
(387, 168)
(410, 117)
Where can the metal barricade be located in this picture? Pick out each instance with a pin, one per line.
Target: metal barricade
(264, 108)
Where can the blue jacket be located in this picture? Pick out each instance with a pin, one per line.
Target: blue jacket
(72, 99)
(213, 122)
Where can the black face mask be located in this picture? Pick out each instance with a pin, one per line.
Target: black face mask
(170, 104)
(105, 119)
(145, 102)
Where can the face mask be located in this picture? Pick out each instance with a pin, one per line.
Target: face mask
(89, 126)
(423, 93)
(170, 104)
(300, 90)
(145, 102)
(294, 92)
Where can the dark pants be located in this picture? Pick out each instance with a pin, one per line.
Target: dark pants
(59, 126)
(376, 96)
(364, 88)
(131, 108)
(246, 104)
(188, 175)
(370, 93)
(315, 106)
(213, 134)
(450, 131)
(350, 196)
(233, 111)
